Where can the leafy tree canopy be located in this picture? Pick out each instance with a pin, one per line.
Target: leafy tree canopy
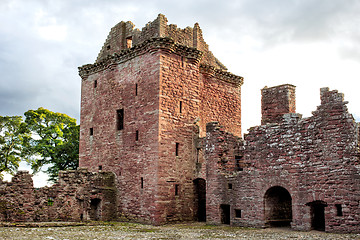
(55, 141)
(13, 136)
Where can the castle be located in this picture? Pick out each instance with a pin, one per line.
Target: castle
(161, 141)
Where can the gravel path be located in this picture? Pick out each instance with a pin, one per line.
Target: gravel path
(176, 231)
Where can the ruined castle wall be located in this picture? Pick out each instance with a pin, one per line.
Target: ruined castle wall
(69, 200)
(130, 151)
(314, 159)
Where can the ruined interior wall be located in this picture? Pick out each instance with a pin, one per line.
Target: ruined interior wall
(189, 37)
(314, 159)
(68, 200)
(134, 87)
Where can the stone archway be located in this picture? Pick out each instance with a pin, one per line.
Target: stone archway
(200, 199)
(278, 207)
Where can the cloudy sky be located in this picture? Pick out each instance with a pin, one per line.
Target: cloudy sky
(308, 43)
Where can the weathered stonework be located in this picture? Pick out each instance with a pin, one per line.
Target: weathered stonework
(78, 196)
(160, 141)
(298, 172)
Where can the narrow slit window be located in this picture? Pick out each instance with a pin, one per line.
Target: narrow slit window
(129, 42)
(136, 89)
(137, 135)
(120, 119)
(91, 131)
(176, 189)
(180, 107)
(339, 211)
(95, 84)
(239, 163)
(142, 182)
(177, 149)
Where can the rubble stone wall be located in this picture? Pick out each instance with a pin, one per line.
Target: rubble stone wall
(316, 160)
(78, 196)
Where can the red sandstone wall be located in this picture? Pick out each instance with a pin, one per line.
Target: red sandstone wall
(179, 82)
(117, 150)
(220, 102)
(314, 159)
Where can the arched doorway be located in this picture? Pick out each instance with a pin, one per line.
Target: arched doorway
(278, 207)
(317, 213)
(200, 199)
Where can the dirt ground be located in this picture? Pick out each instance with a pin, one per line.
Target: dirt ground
(69, 231)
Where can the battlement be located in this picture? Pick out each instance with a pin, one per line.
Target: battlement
(124, 35)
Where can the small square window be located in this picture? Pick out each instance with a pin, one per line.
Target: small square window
(237, 213)
(230, 185)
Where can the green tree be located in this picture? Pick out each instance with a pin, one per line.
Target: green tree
(13, 137)
(55, 141)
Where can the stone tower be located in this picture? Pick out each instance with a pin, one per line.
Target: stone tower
(145, 103)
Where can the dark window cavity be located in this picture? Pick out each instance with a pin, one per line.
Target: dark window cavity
(137, 135)
(95, 84)
(180, 107)
(142, 182)
(230, 186)
(120, 119)
(100, 167)
(177, 149)
(91, 131)
(176, 189)
(136, 89)
(237, 213)
(239, 163)
(339, 211)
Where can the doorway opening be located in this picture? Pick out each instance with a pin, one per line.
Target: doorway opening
(278, 208)
(225, 213)
(95, 209)
(200, 199)
(317, 213)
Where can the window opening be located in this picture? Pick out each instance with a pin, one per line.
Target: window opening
(137, 135)
(229, 185)
(239, 163)
(177, 149)
(142, 182)
(95, 84)
(237, 213)
(120, 119)
(91, 131)
(108, 47)
(136, 89)
(176, 189)
(128, 42)
(339, 212)
(100, 167)
(50, 201)
(180, 107)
